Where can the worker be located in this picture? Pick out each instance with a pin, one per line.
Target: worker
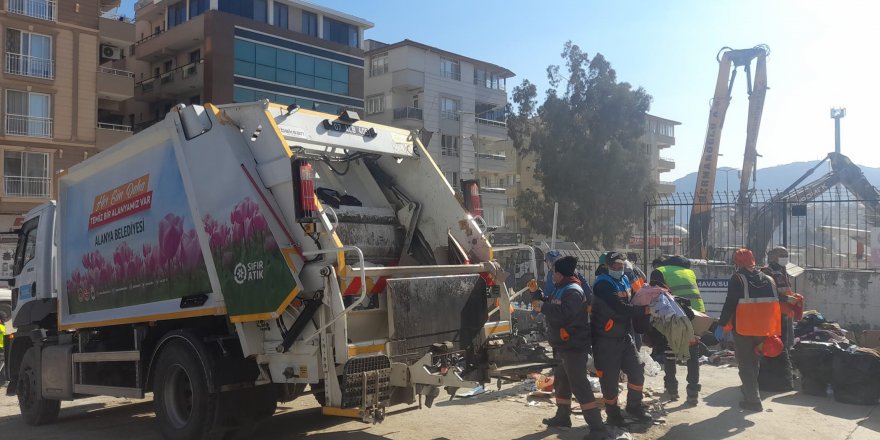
(549, 259)
(2, 352)
(777, 259)
(751, 311)
(566, 311)
(675, 272)
(613, 345)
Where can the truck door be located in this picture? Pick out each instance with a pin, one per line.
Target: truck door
(24, 268)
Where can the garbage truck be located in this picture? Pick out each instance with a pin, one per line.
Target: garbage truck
(232, 257)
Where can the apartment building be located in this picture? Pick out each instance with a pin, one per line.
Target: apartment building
(61, 91)
(659, 135)
(221, 51)
(457, 103)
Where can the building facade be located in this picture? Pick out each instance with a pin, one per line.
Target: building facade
(221, 51)
(62, 89)
(457, 103)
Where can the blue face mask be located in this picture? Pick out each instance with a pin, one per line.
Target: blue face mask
(616, 274)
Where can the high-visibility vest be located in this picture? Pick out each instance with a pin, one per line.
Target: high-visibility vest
(758, 316)
(2, 333)
(683, 282)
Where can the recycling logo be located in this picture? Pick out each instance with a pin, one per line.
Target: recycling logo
(240, 273)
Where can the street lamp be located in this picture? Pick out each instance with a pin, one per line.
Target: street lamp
(726, 180)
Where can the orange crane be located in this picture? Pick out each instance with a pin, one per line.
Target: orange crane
(701, 213)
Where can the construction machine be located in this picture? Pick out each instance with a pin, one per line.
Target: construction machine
(757, 89)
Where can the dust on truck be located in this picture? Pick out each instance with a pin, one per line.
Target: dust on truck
(232, 257)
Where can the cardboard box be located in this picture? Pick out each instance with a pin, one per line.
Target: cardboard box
(870, 339)
(701, 323)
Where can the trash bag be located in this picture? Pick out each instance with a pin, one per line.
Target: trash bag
(814, 386)
(814, 359)
(775, 373)
(855, 377)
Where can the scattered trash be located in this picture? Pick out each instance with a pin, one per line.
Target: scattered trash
(652, 368)
(473, 392)
(594, 384)
(544, 383)
(723, 357)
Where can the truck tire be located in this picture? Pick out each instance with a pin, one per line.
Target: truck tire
(185, 406)
(34, 408)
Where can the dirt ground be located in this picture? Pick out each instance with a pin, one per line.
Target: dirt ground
(504, 414)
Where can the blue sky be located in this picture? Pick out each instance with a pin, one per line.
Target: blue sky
(821, 56)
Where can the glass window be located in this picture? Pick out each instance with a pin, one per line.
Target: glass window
(340, 88)
(375, 104)
(176, 14)
(327, 108)
(322, 68)
(26, 174)
(305, 80)
(29, 54)
(244, 68)
(197, 7)
(259, 94)
(449, 109)
(28, 114)
(340, 72)
(244, 50)
(379, 64)
(260, 11)
(449, 145)
(265, 72)
(285, 60)
(339, 32)
(284, 99)
(305, 103)
(241, 94)
(285, 77)
(450, 68)
(310, 23)
(281, 15)
(265, 55)
(324, 85)
(305, 64)
(230, 6)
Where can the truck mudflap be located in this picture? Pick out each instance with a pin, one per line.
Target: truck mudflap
(366, 385)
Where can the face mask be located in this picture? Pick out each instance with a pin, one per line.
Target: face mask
(783, 261)
(616, 274)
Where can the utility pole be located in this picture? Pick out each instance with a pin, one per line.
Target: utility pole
(837, 113)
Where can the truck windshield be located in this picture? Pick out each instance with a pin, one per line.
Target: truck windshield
(27, 245)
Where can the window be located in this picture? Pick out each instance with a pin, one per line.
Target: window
(281, 15)
(198, 7)
(195, 56)
(26, 174)
(449, 109)
(254, 9)
(310, 23)
(489, 80)
(29, 54)
(379, 64)
(260, 11)
(449, 145)
(27, 114)
(415, 101)
(26, 249)
(375, 104)
(44, 9)
(176, 14)
(287, 67)
(450, 68)
(489, 114)
(452, 178)
(342, 33)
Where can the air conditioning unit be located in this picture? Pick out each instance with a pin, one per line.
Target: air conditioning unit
(111, 52)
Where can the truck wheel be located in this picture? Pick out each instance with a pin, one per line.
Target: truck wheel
(34, 408)
(185, 406)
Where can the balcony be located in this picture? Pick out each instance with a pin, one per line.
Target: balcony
(115, 84)
(31, 126)
(119, 32)
(497, 163)
(25, 65)
(665, 164)
(493, 196)
(31, 187)
(166, 43)
(42, 9)
(180, 82)
(108, 135)
(407, 79)
(664, 187)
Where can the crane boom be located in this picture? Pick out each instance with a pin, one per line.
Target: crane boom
(703, 194)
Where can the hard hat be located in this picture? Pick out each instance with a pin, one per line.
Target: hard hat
(771, 347)
(776, 252)
(744, 258)
(552, 256)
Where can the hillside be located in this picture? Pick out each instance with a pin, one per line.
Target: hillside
(772, 178)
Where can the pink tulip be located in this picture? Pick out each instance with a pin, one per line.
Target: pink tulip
(238, 233)
(259, 224)
(170, 231)
(190, 252)
(219, 237)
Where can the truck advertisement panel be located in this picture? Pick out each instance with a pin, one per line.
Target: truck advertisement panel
(128, 237)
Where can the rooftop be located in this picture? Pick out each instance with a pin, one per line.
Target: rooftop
(323, 10)
(377, 47)
(662, 119)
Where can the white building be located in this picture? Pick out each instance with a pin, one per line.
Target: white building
(458, 105)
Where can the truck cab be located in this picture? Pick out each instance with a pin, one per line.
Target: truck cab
(32, 285)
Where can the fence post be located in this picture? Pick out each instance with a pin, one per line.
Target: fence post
(785, 223)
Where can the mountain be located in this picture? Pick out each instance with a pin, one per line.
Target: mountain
(772, 178)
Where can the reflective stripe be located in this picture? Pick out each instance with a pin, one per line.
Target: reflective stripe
(611, 401)
(758, 300)
(635, 387)
(563, 402)
(589, 405)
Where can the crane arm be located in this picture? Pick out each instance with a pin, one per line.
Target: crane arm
(757, 92)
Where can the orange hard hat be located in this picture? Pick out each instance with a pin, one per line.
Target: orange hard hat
(771, 347)
(744, 258)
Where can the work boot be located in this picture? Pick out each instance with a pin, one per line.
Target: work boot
(751, 406)
(693, 394)
(615, 416)
(672, 393)
(598, 430)
(562, 419)
(639, 413)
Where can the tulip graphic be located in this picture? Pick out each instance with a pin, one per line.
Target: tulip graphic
(170, 231)
(190, 254)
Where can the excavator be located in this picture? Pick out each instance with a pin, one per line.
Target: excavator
(701, 213)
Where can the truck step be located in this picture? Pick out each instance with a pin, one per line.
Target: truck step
(107, 356)
(100, 390)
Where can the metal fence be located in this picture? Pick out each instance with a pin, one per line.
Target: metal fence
(833, 230)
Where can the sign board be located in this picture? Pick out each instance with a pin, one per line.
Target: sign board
(714, 292)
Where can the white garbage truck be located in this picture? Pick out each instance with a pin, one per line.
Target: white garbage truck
(234, 256)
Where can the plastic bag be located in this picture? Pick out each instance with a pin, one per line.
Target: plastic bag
(652, 368)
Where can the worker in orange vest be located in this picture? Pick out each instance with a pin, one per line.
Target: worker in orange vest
(752, 312)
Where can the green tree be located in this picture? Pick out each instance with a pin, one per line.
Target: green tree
(585, 137)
